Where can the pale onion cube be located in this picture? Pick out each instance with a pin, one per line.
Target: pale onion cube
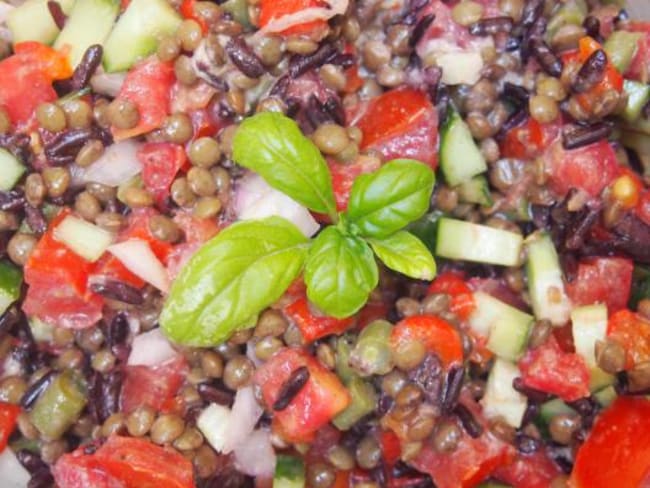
(83, 238)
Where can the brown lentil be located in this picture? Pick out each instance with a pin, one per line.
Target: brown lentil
(8, 221)
(407, 306)
(201, 181)
(540, 332)
(78, 113)
(393, 382)
(512, 8)
(207, 207)
(320, 475)
(301, 45)
(205, 461)
(331, 138)
(168, 49)
(89, 153)
(57, 180)
(20, 246)
(368, 453)
(177, 128)
(184, 70)
(333, 77)
(409, 396)
(140, 421)
(326, 355)
(269, 50)
(267, 346)
(501, 429)
(238, 372)
(87, 206)
(103, 361)
(375, 55)
(114, 424)
(90, 340)
(241, 337)
(189, 35)
(563, 426)
(191, 438)
(70, 358)
(62, 337)
(5, 122)
(408, 354)
(340, 457)
(181, 193)
(103, 193)
(543, 109)
(222, 180)
(610, 356)
(136, 197)
(26, 427)
(421, 425)
(479, 125)
(643, 308)
(204, 152)
(35, 189)
(123, 114)
(167, 428)
(51, 117)
(12, 389)
(270, 323)
(164, 229)
(446, 437)
(551, 87)
(467, 12)
(110, 221)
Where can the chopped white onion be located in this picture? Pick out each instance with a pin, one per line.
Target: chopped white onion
(117, 165)
(459, 65)
(137, 257)
(336, 7)
(107, 83)
(213, 423)
(150, 349)
(14, 475)
(255, 456)
(10, 367)
(244, 415)
(255, 199)
(5, 8)
(85, 239)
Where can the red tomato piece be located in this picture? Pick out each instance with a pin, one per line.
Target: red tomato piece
(640, 67)
(138, 228)
(529, 139)
(314, 326)
(188, 12)
(124, 462)
(472, 461)
(602, 280)
(633, 332)
(391, 447)
(152, 386)
(437, 336)
(529, 471)
(462, 298)
(617, 450)
(643, 207)
(548, 368)
(58, 284)
(108, 266)
(53, 64)
(343, 176)
(271, 10)
(401, 123)
(8, 415)
(161, 161)
(322, 397)
(148, 85)
(197, 231)
(590, 168)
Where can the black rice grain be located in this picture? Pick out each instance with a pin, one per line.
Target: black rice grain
(527, 444)
(291, 388)
(212, 394)
(452, 387)
(87, 66)
(547, 59)
(533, 9)
(41, 479)
(582, 135)
(591, 72)
(428, 376)
(420, 29)
(11, 200)
(299, 64)
(35, 390)
(30, 461)
(592, 26)
(532, 394)
(118, 290)
(58, 16)
(491, 26)
(244, 58)
(469, 422)
(35, 219)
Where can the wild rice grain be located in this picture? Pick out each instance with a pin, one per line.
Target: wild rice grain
(291, 388)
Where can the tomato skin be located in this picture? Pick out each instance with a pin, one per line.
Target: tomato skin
(617, 450)
(313, 326)
(548, 368)
(602, 280)
(534, 470)
(401, 123)
(640, 67)
(152, 386)
(188, 12)
(462, 298)
(8, 416)
(58, 284)
(274, 9)
(529, 139)
(124, 462)
(322, 397)
(437, 335)
(148, 86)
(590, 168)
(632, 331)
(343, 176)
(161, 161)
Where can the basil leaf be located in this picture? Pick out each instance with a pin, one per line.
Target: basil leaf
(340, 273)
(233, 277)
(272, 145)
(383, 202)
(406, 254)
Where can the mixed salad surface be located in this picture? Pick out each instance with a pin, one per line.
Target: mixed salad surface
(324, 244)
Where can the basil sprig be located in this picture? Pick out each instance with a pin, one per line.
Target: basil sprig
(249, 265)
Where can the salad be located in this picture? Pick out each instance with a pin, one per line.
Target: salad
(324, 244)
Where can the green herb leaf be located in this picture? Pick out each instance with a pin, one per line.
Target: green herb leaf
(383, 202)
(272, 145)
(406, 254)
(340, 273)
(233, 277)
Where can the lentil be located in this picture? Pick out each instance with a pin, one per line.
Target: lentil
(204, 152)
(238, 372)
(368, 453)
(167, 428)
(446, 437)
(140, 421)
(123, 114)
(19, 247)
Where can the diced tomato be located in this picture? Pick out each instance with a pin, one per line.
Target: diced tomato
(617, 450)
(108, 266)
(470, 463)
(8, 415)
(322, 397)
(643, 207)
(640, 67)
(124, 462)
(529, 139)
(534, 470)
(401, 123)
(197, 231)
(343, 176)
(437, 336)
(548, 368)
(57, 277)
(314, 326)
(462, 298)
(138, 228)
(632, 331)
(148, 86)
(152, 386)
(161, 161)
(186, 98)
(590, 168)
(602, 280)
(342, 479)
(188, 12)
(26, 79)
(391, 447)
(373, 310)
(271, 10)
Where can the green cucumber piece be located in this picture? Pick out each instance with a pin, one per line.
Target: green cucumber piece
(458, 239)
(501, 399)
(621, 47)
(11, 170)
(11, 279)
(640, 144)
(32, 21)
(548, 297)
(363, 401)
(238, 9)
(460, 158)
(89, 23)
(606, 396)
(426, 229)
(506, 327)
(475, 190)
(137, 33)
(588, 326)
(573, 12)
(289, 472)
(638, 95)
(554, 407)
